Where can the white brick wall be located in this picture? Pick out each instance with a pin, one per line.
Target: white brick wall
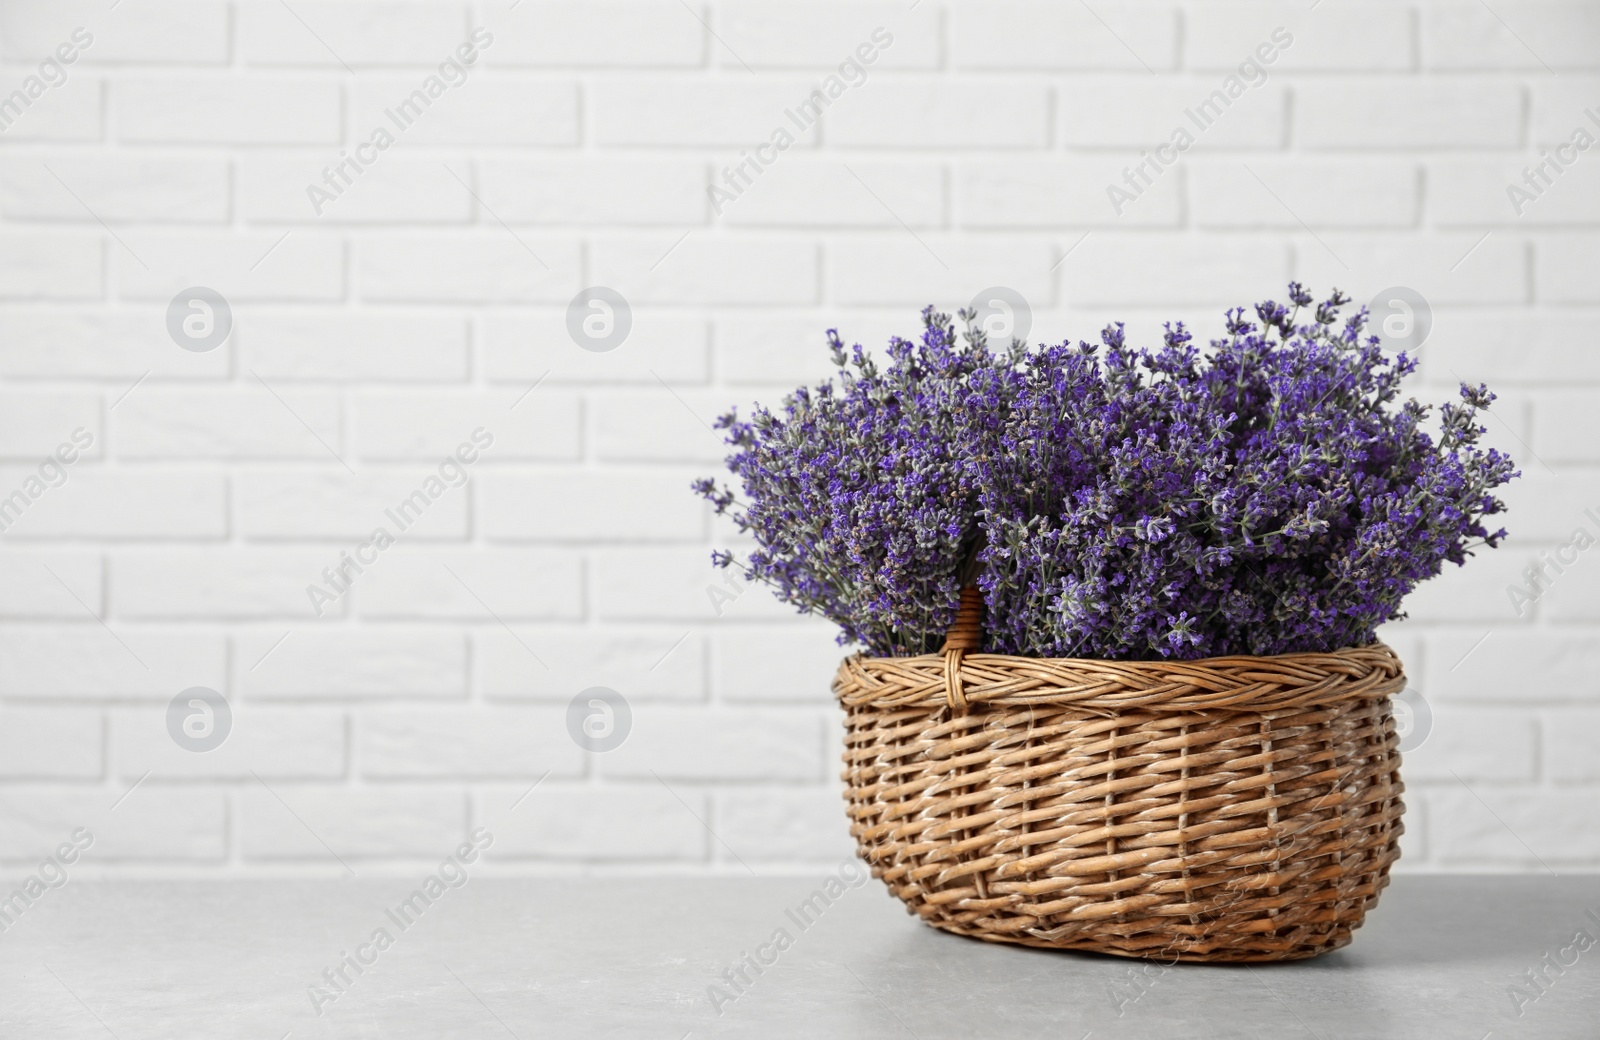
(429, 298)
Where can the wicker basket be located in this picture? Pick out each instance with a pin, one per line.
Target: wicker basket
(1227, 809)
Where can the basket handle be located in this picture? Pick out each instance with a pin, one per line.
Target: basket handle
(966, 633)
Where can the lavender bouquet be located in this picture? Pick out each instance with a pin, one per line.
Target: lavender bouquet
(1273, 495)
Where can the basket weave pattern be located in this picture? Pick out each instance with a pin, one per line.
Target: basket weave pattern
(1226, 809)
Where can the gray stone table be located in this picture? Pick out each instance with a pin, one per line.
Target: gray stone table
(500, 958)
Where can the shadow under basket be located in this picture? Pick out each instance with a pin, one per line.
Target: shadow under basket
(1225, 809)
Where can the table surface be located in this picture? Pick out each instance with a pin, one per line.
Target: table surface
(528, 958)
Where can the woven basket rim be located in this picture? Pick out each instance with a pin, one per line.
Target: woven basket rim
(1238, 682)
(1161, 662)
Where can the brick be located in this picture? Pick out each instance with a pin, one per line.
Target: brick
(93, 343)
(1281, 193)
(288, 504)
(942, 114)
(587, 191)
(1563, 426)
(305, 822)
(1029, 193)
(216, 582)
(36, 424)
(190, 31)
(249, 423)
(1546, 506)
(1561, 266)
(121, 504)
(38, 743)
(788, 35)
(746, 342)
(701, 269)
(673, 584)
(1406, 640)
(1519, 827)
(391, 663)
(321, 34)
(523, 347)
(226, 110)
(154, 823)
(1569, 665)
(1445, 267)
(815, 192)
(1366, 37)
(1149, 112)
(680, 113)
(1477, 344)
(1558, 108)
(785, 350)
(120, 187)
(1479, 193)
(1570, 739)
(658, 426)
(87, 662)
(474, 268)
(810, 654)
(441, 743)
(69, 111)
(1459, 115)
(1476, 592)
(681, 743)
(1487, 744)
(1572, 596)
(418, 424)
(1463, 35)
(558, 663)
(793, 824)
(487, 112)
(901, 270)
(273, 743)
(50, 584)
(1038, 35)
(585, 34)
(392, 188)
(373, 347)
(1131, 269)
(555, 822)
(242, 266)
(487, 585)
(580, 505)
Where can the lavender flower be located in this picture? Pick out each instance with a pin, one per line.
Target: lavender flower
(1272, 496)
(859, 494)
